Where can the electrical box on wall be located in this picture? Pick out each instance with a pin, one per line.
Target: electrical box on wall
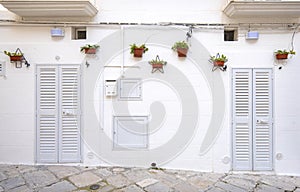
(252, 35)
(57, 32)
(110, 87)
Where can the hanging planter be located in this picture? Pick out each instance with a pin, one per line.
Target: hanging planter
(218, 61)
(17, 57)
(181, 47)
(157, 64)
(89, 49)
(283, 54)
(14, 56)
(138, 51)
(182, 52)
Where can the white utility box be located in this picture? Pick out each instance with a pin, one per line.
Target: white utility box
(111, 87)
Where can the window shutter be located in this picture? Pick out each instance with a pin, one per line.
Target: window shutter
(242, 119)
(262, 112)
(47, 121)
(69, 114)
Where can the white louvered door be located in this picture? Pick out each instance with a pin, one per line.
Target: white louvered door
(242, 119)
(58, 114)
(252, 119)
(262, 119)
(47, 114)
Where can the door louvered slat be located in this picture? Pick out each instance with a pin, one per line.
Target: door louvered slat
(262, 110)
(47, 122)
(70, 124)
(242, 120)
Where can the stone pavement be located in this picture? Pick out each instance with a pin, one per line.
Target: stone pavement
(50, 178)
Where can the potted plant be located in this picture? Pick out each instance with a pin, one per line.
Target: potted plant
(138, 51)
(218, 60)
(14, 56)
(157, 64)
(181, 47)
(283, 54)
(89, 49)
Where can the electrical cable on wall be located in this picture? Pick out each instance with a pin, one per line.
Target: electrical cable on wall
(293, 36)
(189, 33)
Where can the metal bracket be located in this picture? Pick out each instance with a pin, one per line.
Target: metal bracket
(222, 68)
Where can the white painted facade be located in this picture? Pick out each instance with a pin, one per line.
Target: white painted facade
(207, 145)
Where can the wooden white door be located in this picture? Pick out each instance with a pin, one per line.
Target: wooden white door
(58, 114)
(252, 119)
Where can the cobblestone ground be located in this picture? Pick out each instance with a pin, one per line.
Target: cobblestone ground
(15, 178)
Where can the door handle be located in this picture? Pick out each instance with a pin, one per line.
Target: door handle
(261, 121)
(68, 112)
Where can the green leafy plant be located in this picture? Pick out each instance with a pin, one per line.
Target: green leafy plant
(157, 61)
(218, 57)
(12, 54)
(284, 51)
(134, 46)
(89, 46)
(180, 44)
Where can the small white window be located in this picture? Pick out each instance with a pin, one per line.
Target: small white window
(2, 68)
(130, 132)
(130, 89)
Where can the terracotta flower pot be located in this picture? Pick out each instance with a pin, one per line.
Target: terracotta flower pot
(182, 52)
(219, 63)
(157, 65)
(16, 58)
(282, 56)
(138, 52)
(90, 51)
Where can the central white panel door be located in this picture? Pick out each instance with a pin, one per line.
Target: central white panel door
(58, 114)
(252, 119)
(130, 132)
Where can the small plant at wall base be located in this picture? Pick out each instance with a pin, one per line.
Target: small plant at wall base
(283, 54)
(218, 61)
(138, 51)
(181, 47)
(157, 64)
(89, 49)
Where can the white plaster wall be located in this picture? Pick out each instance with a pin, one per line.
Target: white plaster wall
(160, 11)
(17, 97)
